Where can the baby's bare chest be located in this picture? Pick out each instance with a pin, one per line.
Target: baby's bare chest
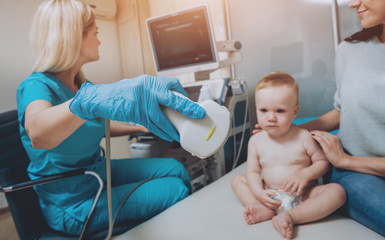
(275, 155)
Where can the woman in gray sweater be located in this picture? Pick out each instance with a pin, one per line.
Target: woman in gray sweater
(357, 152)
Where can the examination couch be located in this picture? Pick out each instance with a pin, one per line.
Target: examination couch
(214, 213)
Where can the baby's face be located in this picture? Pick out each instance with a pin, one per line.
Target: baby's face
(276, 108)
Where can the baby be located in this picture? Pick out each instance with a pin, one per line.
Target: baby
(283, 162)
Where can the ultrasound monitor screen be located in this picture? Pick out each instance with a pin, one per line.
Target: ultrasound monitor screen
(182, 39)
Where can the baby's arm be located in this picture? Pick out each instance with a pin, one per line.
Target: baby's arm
(254, 179)
(319, 166)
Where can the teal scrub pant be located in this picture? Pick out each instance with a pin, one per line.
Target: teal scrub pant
(171, 184)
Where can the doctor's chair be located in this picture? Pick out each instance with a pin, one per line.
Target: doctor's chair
(18, 187)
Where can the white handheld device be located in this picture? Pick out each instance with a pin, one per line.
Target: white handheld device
(202, 137)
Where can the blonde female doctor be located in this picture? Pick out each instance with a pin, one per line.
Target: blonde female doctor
(62, 122)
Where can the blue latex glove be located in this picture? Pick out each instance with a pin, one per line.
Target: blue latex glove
(137, 100)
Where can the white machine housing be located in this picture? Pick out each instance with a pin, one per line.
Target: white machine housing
(202, 137)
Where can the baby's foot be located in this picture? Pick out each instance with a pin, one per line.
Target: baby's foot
(283, 223)
(255, 214)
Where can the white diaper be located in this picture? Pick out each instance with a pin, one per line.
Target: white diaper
(287, 201)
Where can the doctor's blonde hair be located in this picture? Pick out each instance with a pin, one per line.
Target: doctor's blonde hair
(278, 79)
(56, 34)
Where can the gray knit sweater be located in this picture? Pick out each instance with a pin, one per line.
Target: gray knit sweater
(360, 97)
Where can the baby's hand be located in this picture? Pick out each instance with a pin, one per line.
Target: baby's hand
(297, 182)
(265, 197)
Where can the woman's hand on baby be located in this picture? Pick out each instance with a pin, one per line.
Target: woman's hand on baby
(332, 148)
(297, 182)
(265, 197)
(257, 128)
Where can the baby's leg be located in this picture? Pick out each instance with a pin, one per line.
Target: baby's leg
(254, 211)
(318, 202)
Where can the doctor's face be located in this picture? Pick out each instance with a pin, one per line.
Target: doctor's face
(90, 45)
(371, 12)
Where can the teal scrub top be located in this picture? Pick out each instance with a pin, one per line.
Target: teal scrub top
(80, 150)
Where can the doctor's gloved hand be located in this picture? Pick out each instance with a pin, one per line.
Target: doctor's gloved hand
(137, 100)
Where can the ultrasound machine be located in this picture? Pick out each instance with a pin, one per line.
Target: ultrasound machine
(183, 42)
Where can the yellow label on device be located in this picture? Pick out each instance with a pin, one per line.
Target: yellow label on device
(211, 133)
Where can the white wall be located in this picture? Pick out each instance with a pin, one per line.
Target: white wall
(15, 53)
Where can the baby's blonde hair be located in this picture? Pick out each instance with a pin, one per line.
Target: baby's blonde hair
(57, 32)
(278, 79)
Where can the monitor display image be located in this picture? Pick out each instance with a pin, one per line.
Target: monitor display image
(183, 41)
